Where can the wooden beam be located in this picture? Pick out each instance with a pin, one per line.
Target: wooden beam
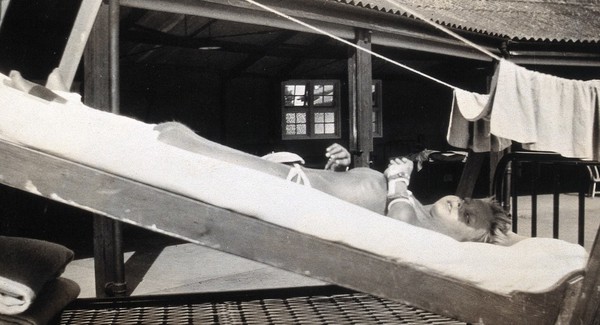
(168, 213)
(389, 30)
(164, 39)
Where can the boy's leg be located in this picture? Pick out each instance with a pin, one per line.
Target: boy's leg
(178, 135)
(361, 186)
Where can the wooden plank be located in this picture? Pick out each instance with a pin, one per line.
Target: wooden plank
(65, 73)
(197, 222)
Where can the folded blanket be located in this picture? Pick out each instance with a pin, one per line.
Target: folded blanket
(26, 265)
(52, 299)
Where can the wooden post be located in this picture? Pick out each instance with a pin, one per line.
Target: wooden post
(360, 103)
(470, 173)
(101, 92)
(472, 168)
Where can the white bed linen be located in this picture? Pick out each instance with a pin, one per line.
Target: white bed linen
(127, 147)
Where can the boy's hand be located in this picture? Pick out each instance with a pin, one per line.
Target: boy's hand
(339, 157)
(402, 167)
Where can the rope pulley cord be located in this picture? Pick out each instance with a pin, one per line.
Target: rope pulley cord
(399, 6)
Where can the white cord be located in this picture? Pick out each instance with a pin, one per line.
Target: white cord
(349, 43)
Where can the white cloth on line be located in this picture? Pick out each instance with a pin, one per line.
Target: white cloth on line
(545, 112)
(470, 123)
(541, 111)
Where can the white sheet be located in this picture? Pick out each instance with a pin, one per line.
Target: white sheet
(129, 148)
(545, 112)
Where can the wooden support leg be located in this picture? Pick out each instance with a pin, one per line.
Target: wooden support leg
(470, 174)
(101, 92)
(108, 258)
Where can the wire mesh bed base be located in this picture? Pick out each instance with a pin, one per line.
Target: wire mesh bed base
(306, 305)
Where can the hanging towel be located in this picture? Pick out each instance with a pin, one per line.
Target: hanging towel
(26, 265)
(470, 123)
(545, 112)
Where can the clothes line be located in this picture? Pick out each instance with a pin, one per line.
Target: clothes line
(358, 47)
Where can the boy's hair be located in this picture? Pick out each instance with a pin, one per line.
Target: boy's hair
(500, 224)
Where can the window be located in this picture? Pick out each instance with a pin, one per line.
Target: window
(311, 109)
(377, 109)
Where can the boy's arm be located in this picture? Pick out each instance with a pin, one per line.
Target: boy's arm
(401, 203)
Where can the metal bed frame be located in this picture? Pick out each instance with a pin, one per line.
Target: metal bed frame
(506, 186)
(298, 305)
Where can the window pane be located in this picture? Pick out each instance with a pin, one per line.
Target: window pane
(290, 118)
(301, 129)
(324, 123)
(295, 95)
(319, 129)
(295, 123)
(295, 101)
(300, 101)
(318, 90)
(326, 101)
(329, 117)
(323, 94)
(295, 89)
(300, 117)
(319, 117)
(330, 128)
(290, 129)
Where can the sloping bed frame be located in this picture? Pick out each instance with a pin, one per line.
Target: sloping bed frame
(290, 250)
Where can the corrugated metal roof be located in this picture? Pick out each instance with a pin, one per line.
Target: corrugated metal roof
(530, 20)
